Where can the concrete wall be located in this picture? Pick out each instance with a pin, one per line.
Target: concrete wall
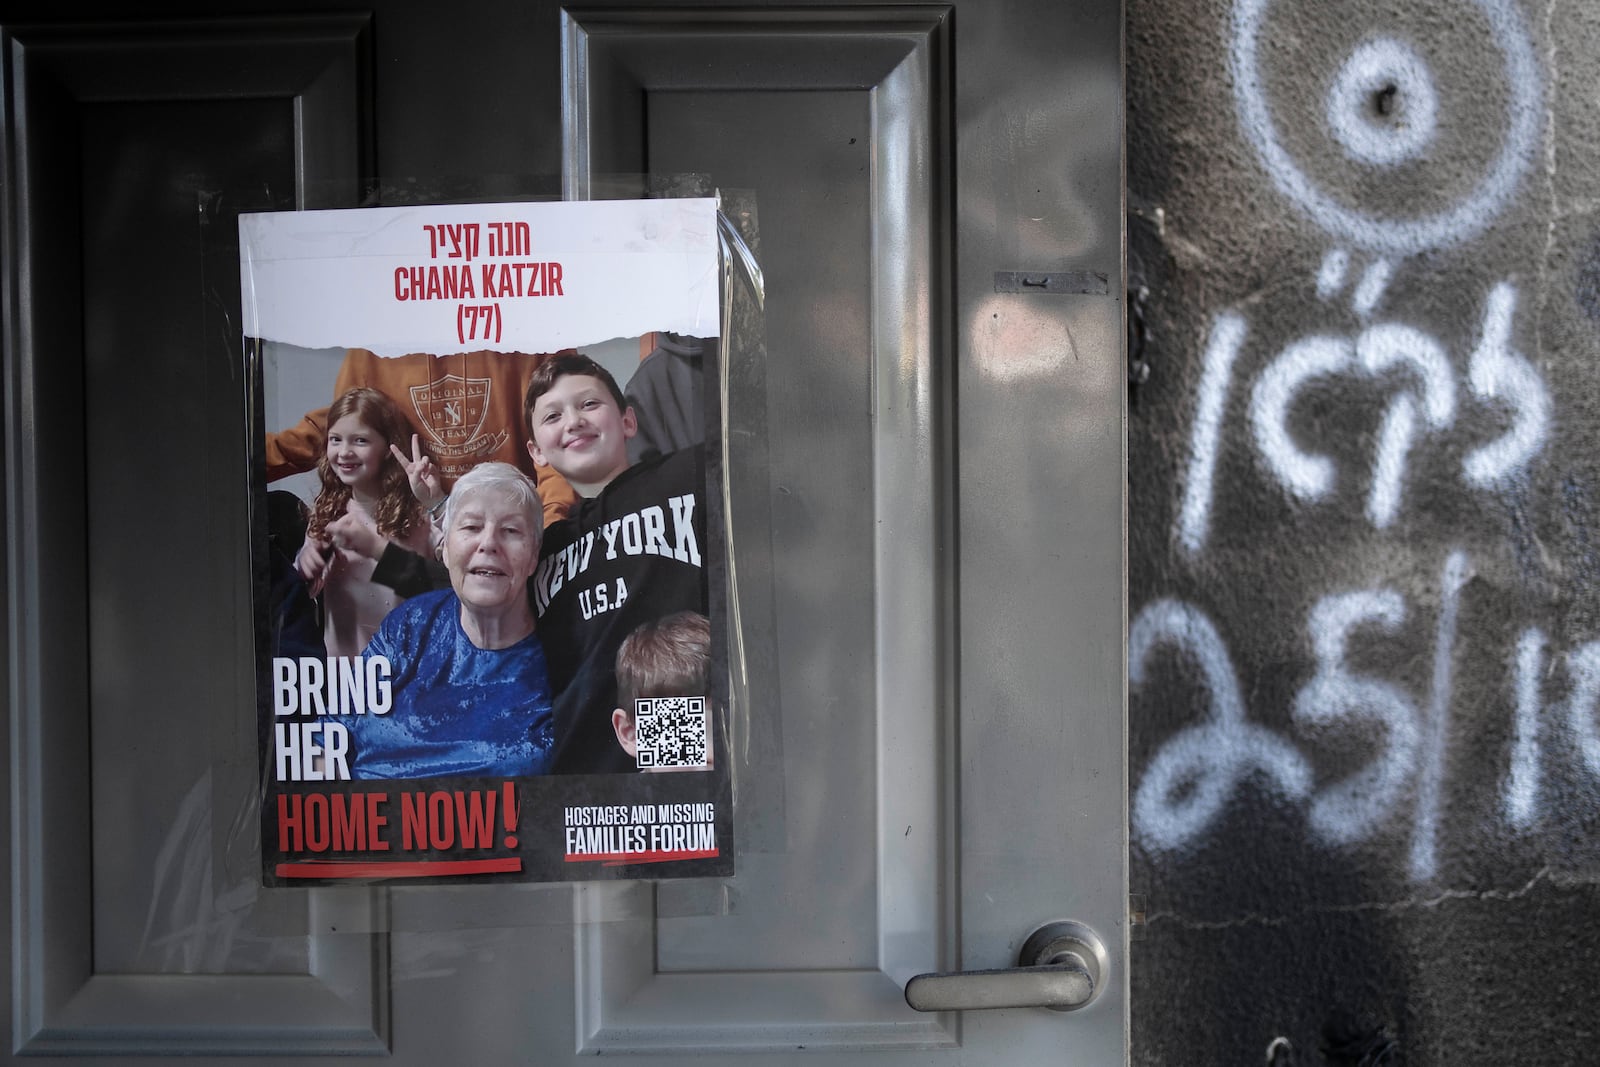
(1365, 513)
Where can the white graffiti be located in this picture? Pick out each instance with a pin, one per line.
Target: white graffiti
(1193, 776)
(1382, 110)
(1191, 779)
(1351, 809)
(1379, 349)
(1384, 140)
(1308, 477)
(1375, 352)
(1369, 290)
(1389, 466)
(1520, 797)
(1435, 731)
(1392, 71)
(1330, 276)
(1383, 124)
(1522, 784)
(1189, 782)
(1497, 374)
(1194, 520)
(1584, 665)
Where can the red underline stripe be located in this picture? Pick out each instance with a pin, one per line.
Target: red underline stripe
(398, 868)
(615, 859)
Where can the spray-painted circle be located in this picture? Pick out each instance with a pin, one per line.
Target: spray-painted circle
(1397, 236)
(1382, 106)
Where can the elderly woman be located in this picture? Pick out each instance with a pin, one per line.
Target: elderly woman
(471, 696)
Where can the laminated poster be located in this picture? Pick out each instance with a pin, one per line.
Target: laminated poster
(487, 542)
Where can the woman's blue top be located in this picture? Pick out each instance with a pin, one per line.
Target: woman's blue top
(458, 709)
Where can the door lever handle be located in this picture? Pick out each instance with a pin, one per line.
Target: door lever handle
(1062, 986)
(1061, 966)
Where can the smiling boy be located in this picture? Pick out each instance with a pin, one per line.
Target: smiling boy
(630, 552)
(580, 423)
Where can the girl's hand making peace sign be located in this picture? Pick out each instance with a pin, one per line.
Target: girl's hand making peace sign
(426, 485)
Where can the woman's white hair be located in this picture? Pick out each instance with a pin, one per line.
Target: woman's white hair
(500, 478)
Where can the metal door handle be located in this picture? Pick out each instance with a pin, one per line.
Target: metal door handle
(1062, 986)
(1061, 966)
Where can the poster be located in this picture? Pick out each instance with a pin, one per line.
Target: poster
(487, 542)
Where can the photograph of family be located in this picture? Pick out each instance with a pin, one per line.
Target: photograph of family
(485, 566)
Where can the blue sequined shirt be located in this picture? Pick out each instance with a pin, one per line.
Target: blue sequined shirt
(458, 709)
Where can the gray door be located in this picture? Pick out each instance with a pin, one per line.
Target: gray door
(926, 497)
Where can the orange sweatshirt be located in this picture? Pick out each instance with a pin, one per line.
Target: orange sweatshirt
(466, 408)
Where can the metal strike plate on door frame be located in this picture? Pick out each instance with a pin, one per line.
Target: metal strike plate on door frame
(1062, 966)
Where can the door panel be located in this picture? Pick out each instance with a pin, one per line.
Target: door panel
(838, 896)
(926, 480)
(178, 774)
(128, 880)
(821, 603)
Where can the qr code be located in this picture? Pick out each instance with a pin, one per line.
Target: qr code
(670, 731)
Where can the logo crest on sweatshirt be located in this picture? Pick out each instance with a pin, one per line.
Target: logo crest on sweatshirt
(452, 408)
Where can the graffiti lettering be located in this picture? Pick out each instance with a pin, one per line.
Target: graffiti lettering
(1227, 334)
(1391, 142)
(1425, 834)
(1191, 779)
(1496, 374)
(1584, 665)
(1349, 810)
(1376, 351)
(1371, 286)
(1416, 400)
(1499, 374)
(1522, 784)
